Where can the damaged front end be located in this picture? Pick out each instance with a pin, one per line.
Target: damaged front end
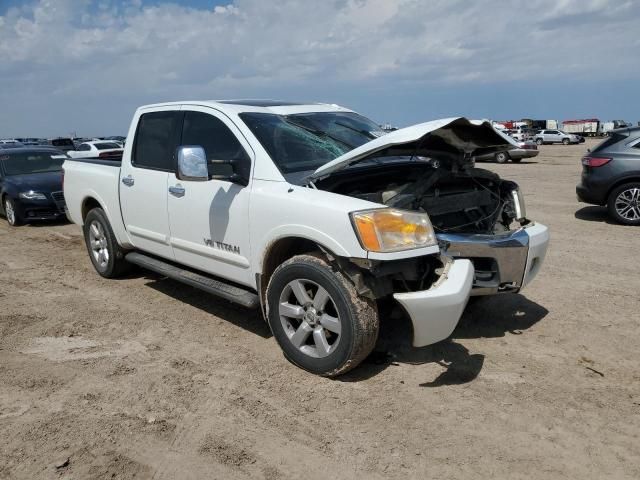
(475, 214)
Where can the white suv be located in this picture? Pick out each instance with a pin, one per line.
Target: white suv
(556, 136)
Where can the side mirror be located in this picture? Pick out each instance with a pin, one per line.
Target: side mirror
(192, 164)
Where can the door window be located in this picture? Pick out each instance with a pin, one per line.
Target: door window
(218, 141)
(155, 142)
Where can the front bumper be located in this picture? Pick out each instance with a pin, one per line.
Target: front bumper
(28, 210)
(434, 313)
(503, 263)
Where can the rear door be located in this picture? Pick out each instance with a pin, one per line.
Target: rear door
(143, 181)
(210, 220)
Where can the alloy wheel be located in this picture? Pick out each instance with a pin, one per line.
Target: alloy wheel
(310, 318)
(10, 212)
(99, 245)
(627, 204)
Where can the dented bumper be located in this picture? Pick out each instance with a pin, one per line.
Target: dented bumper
(435, 312)
(504, 262)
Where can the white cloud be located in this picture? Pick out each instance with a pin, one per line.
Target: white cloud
(67, 51)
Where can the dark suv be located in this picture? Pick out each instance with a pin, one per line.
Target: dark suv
(611, 176)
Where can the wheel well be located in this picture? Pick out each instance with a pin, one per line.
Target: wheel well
(88, 205)
(277, 253)
(621, 182)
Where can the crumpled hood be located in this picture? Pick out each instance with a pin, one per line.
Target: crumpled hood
(467, 137)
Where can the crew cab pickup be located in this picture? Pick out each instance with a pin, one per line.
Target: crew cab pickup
(312, 213)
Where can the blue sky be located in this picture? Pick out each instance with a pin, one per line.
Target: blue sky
(84, 66)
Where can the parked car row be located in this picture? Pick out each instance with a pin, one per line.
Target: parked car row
(590, 127)
(62, 143)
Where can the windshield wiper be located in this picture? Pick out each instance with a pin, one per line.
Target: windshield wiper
(318, 133)
(357, 130)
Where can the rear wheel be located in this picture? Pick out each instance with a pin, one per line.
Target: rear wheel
(10, 212)
(317, 317)
(106, 255)
(501, 157)
(624, 204)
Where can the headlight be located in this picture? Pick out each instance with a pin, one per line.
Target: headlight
(31, 195)
(390, 230)
(518, 205)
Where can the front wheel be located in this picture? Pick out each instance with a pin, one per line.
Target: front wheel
(565, 141)
(624, 204)
(317, 317)
(13, 219)
(105, 253)
(539, 141)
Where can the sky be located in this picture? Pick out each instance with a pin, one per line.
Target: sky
(84, 66)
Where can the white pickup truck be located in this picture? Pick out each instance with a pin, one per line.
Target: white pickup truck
(312, 213)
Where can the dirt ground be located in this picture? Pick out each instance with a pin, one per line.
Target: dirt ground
(146, 378)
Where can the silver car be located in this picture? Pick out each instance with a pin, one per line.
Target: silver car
(556, 136)
(526, 149)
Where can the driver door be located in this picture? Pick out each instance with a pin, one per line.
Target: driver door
(209, 219)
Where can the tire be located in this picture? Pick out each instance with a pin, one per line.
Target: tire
(624, 204)
(501, 157)
(10, 213)
(539, 141)
(317, 317)
(104, 251)
(516, 160)
(565, 141)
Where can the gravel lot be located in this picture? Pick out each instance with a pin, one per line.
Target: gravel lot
(146, 378)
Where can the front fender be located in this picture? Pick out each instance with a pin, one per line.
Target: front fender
(298, 231)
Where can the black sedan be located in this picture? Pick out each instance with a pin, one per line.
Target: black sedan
(31, 184)
(611, 176)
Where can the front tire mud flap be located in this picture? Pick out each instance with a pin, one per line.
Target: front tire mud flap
(435, 313)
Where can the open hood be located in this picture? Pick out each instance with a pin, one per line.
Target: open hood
(457, 136)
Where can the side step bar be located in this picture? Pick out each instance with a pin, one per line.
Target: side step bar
(215, 287)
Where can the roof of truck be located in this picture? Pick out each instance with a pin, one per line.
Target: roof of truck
(279, 107)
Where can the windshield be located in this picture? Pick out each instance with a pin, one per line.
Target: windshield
(32, 162)
(306, 141)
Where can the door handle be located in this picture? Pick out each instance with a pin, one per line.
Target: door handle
(177, 191)
(128, 181)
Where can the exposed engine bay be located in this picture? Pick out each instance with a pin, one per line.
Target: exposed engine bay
(469, 200)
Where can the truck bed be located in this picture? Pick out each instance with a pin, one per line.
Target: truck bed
(90, 181)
